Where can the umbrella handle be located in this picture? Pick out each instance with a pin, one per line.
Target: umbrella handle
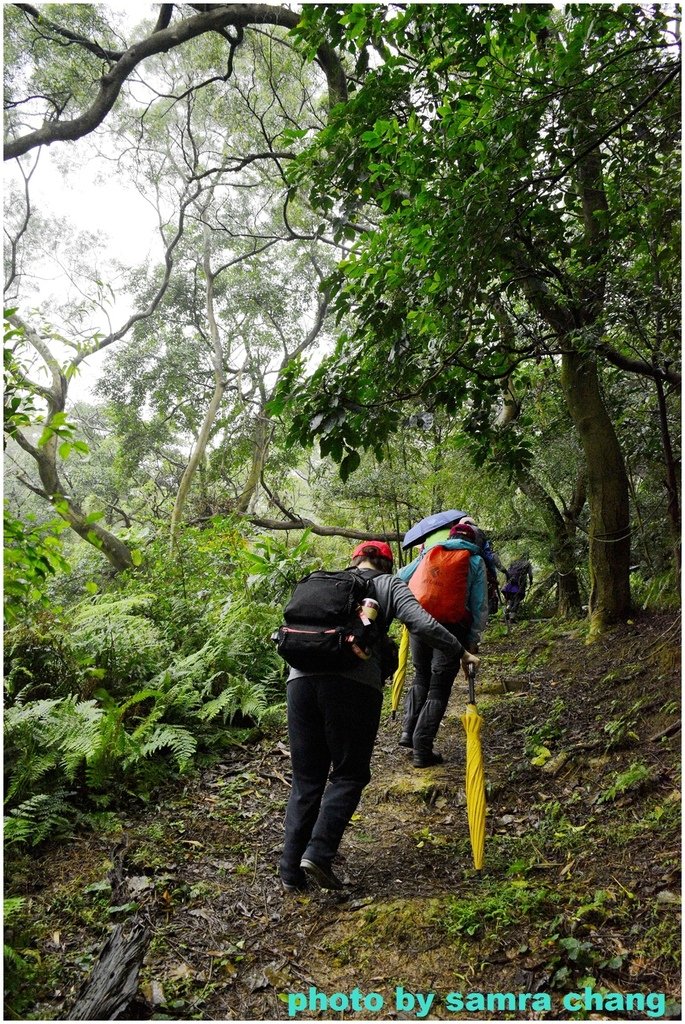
(471, 669)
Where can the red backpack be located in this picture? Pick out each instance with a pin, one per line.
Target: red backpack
(439, 584)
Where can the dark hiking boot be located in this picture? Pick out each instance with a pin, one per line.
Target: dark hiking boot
(294, 881)
(323, 877)
(406, 740)
(295, 889)
(421, 760)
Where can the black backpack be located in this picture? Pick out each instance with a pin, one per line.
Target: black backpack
(324, 630)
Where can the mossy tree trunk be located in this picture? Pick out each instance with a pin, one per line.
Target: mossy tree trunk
(607, 490)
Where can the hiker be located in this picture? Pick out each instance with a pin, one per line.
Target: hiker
(493, 563)
(519, 574)
(449, 580)
(333, 718)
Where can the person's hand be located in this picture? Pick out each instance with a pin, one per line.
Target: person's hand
(469, 659)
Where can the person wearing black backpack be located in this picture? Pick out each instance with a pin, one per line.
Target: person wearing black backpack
(333, 718)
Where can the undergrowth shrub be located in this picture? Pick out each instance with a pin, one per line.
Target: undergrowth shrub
(64, 754)
(658, 593)
(138, 681)
(19, 972)
(120, 638)
(40, 661)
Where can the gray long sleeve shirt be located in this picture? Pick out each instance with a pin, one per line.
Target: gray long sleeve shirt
(397, 602)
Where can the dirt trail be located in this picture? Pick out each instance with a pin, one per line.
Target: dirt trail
(580, 884)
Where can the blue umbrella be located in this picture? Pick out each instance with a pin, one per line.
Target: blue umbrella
(430, 524)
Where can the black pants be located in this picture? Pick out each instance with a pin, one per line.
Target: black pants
(426, 703)
(332, 725)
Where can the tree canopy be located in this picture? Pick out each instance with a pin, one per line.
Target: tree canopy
(369, 214)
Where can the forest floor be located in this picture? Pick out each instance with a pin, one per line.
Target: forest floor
(580, 886)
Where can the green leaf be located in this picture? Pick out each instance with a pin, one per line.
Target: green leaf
(349, 464)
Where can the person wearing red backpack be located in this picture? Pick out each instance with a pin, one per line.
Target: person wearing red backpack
(449, 581)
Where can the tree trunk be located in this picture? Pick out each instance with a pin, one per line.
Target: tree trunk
(260, 446)
(114, 550)
(563, 548)
(45, 457)
(200, 446)
(671, 478)
(607, 488)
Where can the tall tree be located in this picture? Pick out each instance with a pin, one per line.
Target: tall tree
(500, 145)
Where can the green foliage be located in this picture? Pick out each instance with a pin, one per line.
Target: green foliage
(158, 703)
(658, 593)
(18, 970)
(120, 638)
(510, 903)
(274, 568)
(40, 661)
(636, 777)
(538, 735)
(43, 815)
(32, 554)
(620, 730)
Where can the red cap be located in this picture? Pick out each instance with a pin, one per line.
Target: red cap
(382, 549)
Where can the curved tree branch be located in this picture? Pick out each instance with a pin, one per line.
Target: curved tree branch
(323, 531)
(213, 19)
(638, 366)
(74, 37)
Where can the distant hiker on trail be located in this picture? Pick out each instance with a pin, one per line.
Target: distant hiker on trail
(448, 579)
(334, 704)
(519, 574)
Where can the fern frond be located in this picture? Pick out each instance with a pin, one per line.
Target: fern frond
(36, 711)
(11, 908)
(42, 815)
(12, 959)
(240, 696)
(181, 743)
(29, 770)
(107, 605)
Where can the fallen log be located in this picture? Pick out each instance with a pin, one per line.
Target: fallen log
(670, 731)
(111, 986)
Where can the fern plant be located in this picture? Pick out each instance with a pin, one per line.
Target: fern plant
(121, 639)
(40, 661)
(17, 970)
(41, 816)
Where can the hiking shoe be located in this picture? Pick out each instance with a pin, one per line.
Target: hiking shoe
(426, 760)
(294, 888)
(323, 877)
(406, 740)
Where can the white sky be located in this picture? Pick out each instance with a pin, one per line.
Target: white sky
(105, 204)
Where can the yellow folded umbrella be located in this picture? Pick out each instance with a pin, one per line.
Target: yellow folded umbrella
(475, 776)
(400, 674)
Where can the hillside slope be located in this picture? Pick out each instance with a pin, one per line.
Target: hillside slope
(580, 886)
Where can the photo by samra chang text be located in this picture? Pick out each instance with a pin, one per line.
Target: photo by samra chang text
(420, 1004)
